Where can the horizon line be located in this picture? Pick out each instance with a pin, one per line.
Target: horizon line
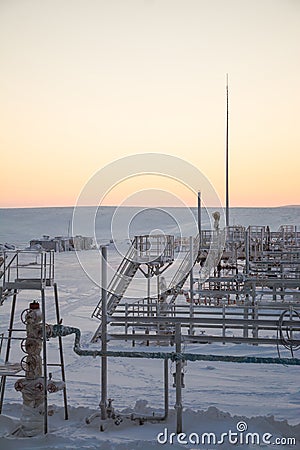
(144, 206)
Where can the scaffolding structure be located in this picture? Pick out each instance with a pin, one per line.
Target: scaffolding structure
(255, 267)
(30, 271)
(246, 291)
(234, 305)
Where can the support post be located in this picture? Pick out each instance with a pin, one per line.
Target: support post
(158, 308)
(178, 405)
(227, 153)
(8, 347)
(247, 251)
(148, 291)
(199, 220)
(247, 268)
(103, 402)
(45, 375)
(191, 286)
(166, 385)
(246, 317)
(61, 353)
(224, 326)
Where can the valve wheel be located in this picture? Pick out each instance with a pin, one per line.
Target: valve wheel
(23, 319)
(28, 363)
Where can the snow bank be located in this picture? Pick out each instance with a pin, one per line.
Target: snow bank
(129, 435)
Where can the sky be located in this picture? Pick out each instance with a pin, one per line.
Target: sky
(84, 83)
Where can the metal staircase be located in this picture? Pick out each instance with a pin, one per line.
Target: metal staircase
(183, 271)
(6, 261)
(153, 250)
(119, 283)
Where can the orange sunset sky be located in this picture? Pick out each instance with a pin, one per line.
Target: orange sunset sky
(83, 83)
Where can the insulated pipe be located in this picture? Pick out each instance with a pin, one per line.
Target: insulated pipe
(61, 330)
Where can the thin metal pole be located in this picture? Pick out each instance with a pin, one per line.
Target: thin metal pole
(178, 405)
(158, 309)
(247, 251)
(199, 219)
(45, 361)
(191, 285)
(227, 153)
(11, 324)
(103, 402)
(61, 353)
(247, 256)
(148, 290)
(166, 383)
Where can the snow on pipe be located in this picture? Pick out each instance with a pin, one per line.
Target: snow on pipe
(33, 386)
(61, 330)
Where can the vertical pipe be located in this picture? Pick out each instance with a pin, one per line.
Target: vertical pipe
(166, 385)
(103, 402)
(41, 262)
(61, 353)
(291, 327)
(199, 220)
(126, 319)
(191, 286)
(247, 248)
(158, 309)
(246, 317)
(224, 326)
(178, 405)
(45, 362)
(148, 290)
(247, 256)
(227, 153)
(11, 324)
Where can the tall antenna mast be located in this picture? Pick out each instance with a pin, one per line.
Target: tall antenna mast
(227, 155)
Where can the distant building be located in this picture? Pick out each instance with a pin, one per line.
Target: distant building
(62, 243)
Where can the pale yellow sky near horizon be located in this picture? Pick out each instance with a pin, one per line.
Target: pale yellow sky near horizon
(83, 83)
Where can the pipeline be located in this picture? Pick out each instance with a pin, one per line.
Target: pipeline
(61, 330)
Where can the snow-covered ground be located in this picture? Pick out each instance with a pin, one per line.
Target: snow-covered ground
(217, 396)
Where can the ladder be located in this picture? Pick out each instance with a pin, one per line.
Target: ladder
(30, 271)
(6, 261)
(119, 283)
(183, 271)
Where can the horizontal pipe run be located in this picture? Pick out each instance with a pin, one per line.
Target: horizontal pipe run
(261, 306)
(201, 339)
(221, 325)
(61, 330)
(133, 321)
(213, 314)
(191, 357)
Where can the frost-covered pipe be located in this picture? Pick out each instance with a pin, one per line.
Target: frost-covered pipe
(61, 330)
(35, 385)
